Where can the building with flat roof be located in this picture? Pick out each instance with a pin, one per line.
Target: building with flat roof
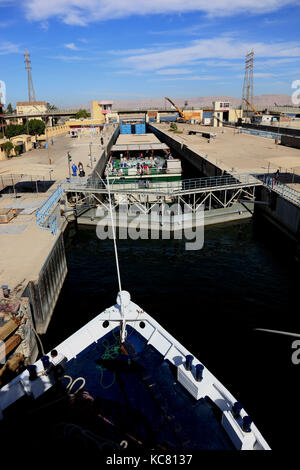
(85, 126)
(100, 109)
(31, 107)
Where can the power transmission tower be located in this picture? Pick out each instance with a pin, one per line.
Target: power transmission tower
(247, 98)
(31, 93)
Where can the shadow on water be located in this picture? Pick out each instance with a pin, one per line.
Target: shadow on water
(211, 300)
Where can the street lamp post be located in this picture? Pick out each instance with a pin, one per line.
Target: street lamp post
(69, 164)
(91, 159)
(48, 149)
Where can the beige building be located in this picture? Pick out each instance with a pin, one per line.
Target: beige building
(27, 142)
(101, 109)
(222, 112)
(24, 141)
(31, 107)
(85, 126)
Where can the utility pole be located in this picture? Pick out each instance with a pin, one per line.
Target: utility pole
(48, 149)
(31, 93)
(91, 159)
(69, 164)
(248, 83)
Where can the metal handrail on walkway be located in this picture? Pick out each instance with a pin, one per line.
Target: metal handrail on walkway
(187, 186)
(283, 189)
(183, 186)
(44, 219)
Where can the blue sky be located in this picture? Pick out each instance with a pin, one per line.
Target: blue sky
(140, 49)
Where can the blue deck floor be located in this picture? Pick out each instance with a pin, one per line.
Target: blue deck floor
(143, 396)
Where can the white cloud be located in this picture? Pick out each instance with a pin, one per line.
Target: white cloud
(273, 62)
(127, 52)
(173, 71)
(216, 48)
(44, 25)
(191, 77)
(76, 12)
(65, 58)
(72, 46)
(267, 74)
(9, 48)
(5, 24)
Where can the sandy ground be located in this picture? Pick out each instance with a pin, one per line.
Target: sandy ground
(243, 153)
(22, 254)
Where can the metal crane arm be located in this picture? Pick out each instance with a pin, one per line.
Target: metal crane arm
(256, 112)
(181, 114)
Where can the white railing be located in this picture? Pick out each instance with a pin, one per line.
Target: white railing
(284, 190)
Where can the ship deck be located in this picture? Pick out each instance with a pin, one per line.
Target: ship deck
(133, 398)
(144, 398)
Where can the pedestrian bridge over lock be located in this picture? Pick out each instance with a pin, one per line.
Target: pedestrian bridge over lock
(218, 191)
(230, 193)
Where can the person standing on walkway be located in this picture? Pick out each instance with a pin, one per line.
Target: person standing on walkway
(74, 169)
(81, 170)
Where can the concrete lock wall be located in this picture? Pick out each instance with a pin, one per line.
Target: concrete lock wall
(290, 141)
(43, 293)
(280, 211)
(100, 166)
(282, 130)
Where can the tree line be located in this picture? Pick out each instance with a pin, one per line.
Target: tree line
(32, 127)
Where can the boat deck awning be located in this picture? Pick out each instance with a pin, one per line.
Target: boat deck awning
(139, 147)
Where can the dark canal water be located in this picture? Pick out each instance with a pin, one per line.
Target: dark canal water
(211, 300)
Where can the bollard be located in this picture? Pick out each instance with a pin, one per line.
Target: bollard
(46, 362)
(32, 372)
(246, 426)
(199, 372)
(236, 409)
(189, 361)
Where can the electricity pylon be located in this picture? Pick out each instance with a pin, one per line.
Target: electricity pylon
(248, 83)
(31, 93)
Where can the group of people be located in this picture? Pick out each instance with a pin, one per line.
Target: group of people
(78, 168)
(141, 167)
